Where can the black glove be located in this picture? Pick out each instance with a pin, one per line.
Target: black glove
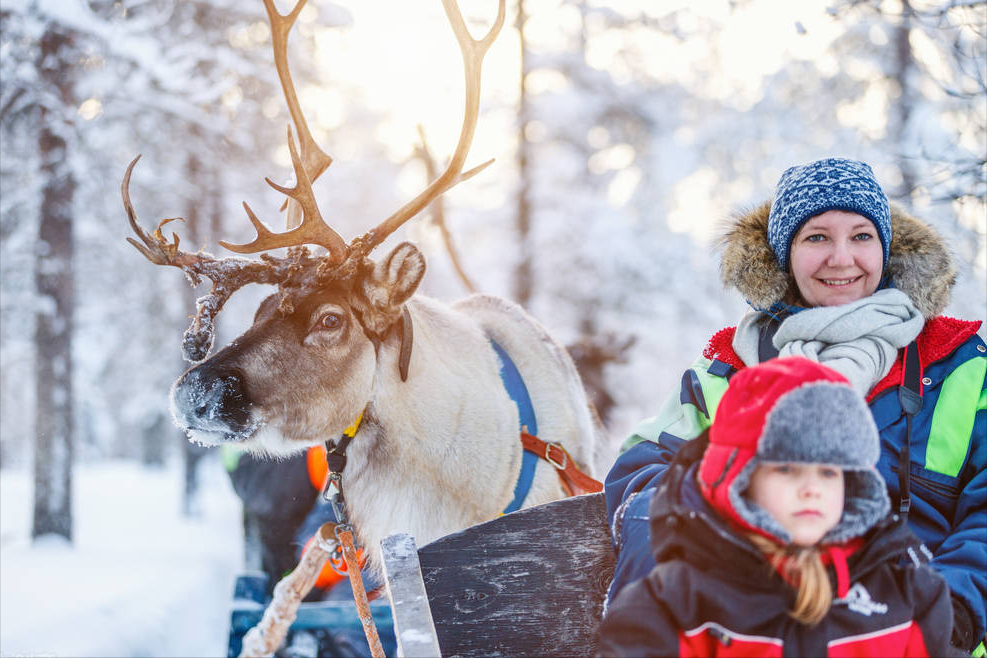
(962, 626)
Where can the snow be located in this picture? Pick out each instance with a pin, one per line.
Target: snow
(413, 635)
(138, 580)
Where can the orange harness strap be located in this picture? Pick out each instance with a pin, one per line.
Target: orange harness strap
(573, 479)
(360, 593)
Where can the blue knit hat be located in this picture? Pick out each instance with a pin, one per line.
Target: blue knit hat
(831, 184)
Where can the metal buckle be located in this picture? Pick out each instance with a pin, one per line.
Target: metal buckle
(338, 562)
(555, 462)
(333, 486)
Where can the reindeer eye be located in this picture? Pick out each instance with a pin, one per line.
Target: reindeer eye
(331, 321)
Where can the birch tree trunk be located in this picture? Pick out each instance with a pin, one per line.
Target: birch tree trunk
(901, 110)
(54, 282)
(523, 272)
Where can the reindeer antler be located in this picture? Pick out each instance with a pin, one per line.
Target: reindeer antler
(227, 274)
(315, 159)
(311, 229)
(473, 51)
(309, 161)
(312, 161)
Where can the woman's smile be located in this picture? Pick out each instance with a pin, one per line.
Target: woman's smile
(837, 258)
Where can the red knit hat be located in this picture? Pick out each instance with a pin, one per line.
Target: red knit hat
(793, 410)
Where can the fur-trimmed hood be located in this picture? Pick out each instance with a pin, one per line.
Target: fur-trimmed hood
(920, 263)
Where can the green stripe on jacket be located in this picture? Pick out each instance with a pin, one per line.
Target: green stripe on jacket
(962, 395)
(684, 421)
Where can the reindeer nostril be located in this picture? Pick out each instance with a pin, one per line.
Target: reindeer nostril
(236, 408)
(232, 389)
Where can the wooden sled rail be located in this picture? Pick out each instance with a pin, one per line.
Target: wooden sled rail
(530, 583)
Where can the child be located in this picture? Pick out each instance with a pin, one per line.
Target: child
(778, 542)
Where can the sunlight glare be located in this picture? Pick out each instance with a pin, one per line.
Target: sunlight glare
(795, 31)
(543, 81)
(535, 131)
(702, 200)
(325, 105)
(408, 69)
(90, 109)
(867, 113)
(598, 137)
(618, 156)
(271, 106)
(232, 97)
(622, 187)
(692, 196)
(930, 56)
(877, 35)
(550, 24)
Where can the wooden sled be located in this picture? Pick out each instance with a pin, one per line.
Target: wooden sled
(530, 583)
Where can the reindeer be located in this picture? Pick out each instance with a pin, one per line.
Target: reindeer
(346, 343)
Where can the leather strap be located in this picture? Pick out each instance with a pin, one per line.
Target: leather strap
(765, 341)
(407, 339)
(575, 480)
(518, 392)
(910, 398)
(345, 536)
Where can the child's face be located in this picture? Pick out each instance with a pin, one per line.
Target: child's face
(806, 499)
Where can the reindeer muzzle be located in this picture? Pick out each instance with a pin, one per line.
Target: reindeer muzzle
(206, 401)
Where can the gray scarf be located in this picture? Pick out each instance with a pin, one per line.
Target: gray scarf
(860, 340)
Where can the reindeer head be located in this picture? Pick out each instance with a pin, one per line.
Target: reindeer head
(305, 369)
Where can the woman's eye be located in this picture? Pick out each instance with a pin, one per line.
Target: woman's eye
(863, 237)
(830, 472)
(815, 237)
(783, 468)
(331, 321)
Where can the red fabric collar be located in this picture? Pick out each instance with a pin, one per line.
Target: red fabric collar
(837, 555)
(940, 336)
(720, 347)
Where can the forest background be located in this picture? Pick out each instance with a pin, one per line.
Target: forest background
(625, 133)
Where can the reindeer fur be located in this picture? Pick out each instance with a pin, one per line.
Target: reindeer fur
(434, 454)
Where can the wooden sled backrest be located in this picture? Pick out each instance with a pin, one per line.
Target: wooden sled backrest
(530, 583)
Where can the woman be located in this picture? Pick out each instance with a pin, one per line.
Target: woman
(775, 539)
(833, 274)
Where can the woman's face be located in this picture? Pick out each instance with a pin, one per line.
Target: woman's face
(836, 258)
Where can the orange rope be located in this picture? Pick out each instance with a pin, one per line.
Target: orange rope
(360, 593)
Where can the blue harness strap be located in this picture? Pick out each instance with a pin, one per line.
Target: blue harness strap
(515, 388)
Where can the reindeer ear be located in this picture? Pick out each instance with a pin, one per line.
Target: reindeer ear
(405, 268)
(394, 279)
(400, 273)
(391, 283)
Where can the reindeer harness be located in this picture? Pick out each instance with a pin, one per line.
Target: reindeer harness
(573, 480)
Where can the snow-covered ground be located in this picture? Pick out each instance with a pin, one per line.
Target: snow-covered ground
(138, 580)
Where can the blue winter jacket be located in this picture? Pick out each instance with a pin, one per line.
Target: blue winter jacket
(948, 456)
